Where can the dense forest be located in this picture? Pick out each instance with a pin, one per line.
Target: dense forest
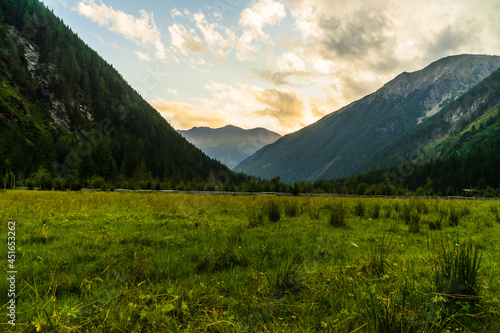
(68, 119)
(474, 174)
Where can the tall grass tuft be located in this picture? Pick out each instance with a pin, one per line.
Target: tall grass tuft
(456, 271)
(414, 223)
(385, 316)
(273, 211)
(255, 218)
(314, 213)
(436, 224)
(405, 213)
(378, 255)
(494, 211)
(374, 210)
(338, 215)
(359, 209)
(291, 208)
(420, 205)
(453, 217)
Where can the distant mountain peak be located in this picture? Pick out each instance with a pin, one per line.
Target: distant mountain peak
(229, 144)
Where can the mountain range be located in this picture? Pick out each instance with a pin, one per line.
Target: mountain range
(230, 144)
(361, 136)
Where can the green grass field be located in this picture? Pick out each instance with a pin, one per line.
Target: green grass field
(143, 262)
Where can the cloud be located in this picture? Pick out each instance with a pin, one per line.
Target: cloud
(357, 31)
(317, 109)
(449, 40)
(287, 69)
(173, 91)
(185, 41)
(185, 116)
(262, 13)
(283, 78)
(141, 30)
(174, 13)
(201, 38)
(284, 106)
(142, 56)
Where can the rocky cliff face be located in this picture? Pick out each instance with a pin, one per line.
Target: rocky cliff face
(43, 74)
(446, 132)
(459, 72)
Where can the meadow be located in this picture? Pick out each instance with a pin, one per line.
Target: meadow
(153, 262)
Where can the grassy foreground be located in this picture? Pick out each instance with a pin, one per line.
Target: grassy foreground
(132, 262)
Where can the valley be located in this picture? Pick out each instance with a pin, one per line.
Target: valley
(127, 204)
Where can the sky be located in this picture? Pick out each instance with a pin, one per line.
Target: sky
(277, 64)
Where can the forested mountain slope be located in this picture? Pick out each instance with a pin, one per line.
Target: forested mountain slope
(66, 114)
